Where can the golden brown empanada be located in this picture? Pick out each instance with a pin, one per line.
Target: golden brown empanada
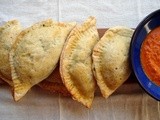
(111, 59)
(8, 33)
(76, 62)
(35, 54)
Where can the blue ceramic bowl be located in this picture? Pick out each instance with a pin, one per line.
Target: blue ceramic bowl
(149, 23)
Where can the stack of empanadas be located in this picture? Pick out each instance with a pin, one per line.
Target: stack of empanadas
(64, 58)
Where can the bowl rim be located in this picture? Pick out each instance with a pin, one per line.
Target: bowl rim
(135, 34)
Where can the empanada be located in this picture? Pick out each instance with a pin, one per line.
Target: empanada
(35, 54)
(111, 59)
(8, 33)
(76, 62)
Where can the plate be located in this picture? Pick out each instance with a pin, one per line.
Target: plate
(145, 26)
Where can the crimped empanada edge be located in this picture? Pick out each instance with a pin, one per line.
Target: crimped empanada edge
(81, 29)
(96, 67)
(20, 88)
(16, 80)
(5, 25)
(106, 92)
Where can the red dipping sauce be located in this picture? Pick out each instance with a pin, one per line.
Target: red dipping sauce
(150, 56)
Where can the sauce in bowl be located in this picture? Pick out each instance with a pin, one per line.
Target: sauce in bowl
(150, 56)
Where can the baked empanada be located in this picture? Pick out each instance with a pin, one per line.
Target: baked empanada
(76, 62)
(35, 54)
(111, 59)
(8, 34)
